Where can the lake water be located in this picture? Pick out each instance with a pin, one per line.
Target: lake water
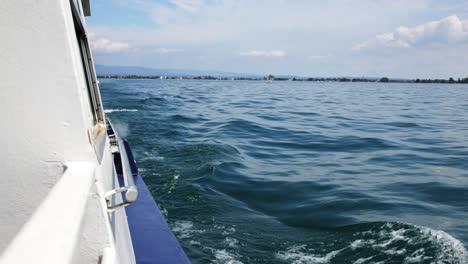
(302, 172)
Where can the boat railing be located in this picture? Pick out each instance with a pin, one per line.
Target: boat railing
(129, 190)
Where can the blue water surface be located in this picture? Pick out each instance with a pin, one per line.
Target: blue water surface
(302, 172)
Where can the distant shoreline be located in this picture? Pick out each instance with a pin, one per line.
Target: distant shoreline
(301, 79)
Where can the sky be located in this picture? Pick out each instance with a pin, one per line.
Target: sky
(371, 38)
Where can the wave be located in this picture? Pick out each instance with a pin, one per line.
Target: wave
(108, 111)
(263, 175)
(296, 255)
(402, 124)
(386, 242)
(222, 253)
(346, 144)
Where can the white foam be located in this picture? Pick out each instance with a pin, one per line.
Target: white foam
(231, 242)
(452, 249)
(224, 257)
(195, 243)
(395, 251)
(184, 229)
(447, 248)
(362, 260)
(395, 235)
(226, 231)
(108, 111)
(164, 212)
(412, 244)
(229, 231)
(173, 183)
(152, 158)
(296, 255)
(357, 244)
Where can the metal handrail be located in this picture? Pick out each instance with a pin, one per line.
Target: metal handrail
(129, 190)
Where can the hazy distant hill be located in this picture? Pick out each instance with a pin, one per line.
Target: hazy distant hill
(142, 71)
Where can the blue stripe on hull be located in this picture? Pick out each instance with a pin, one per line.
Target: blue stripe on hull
(153, 240)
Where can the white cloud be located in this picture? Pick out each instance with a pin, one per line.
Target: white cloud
(188, 5)
(187, 22)
(166, 50)
(320, 57)
(211, 33)
(448, 30)
(260, 53)
(100, 44)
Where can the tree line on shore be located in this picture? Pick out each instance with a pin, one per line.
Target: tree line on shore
(303, 79)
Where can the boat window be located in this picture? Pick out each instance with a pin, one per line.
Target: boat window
(88, 67)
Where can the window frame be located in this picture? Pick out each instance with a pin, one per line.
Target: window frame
(88, 65)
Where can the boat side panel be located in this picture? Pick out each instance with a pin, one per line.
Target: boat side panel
(46, 119)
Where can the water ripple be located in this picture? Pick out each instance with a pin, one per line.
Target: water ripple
(300, 172)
